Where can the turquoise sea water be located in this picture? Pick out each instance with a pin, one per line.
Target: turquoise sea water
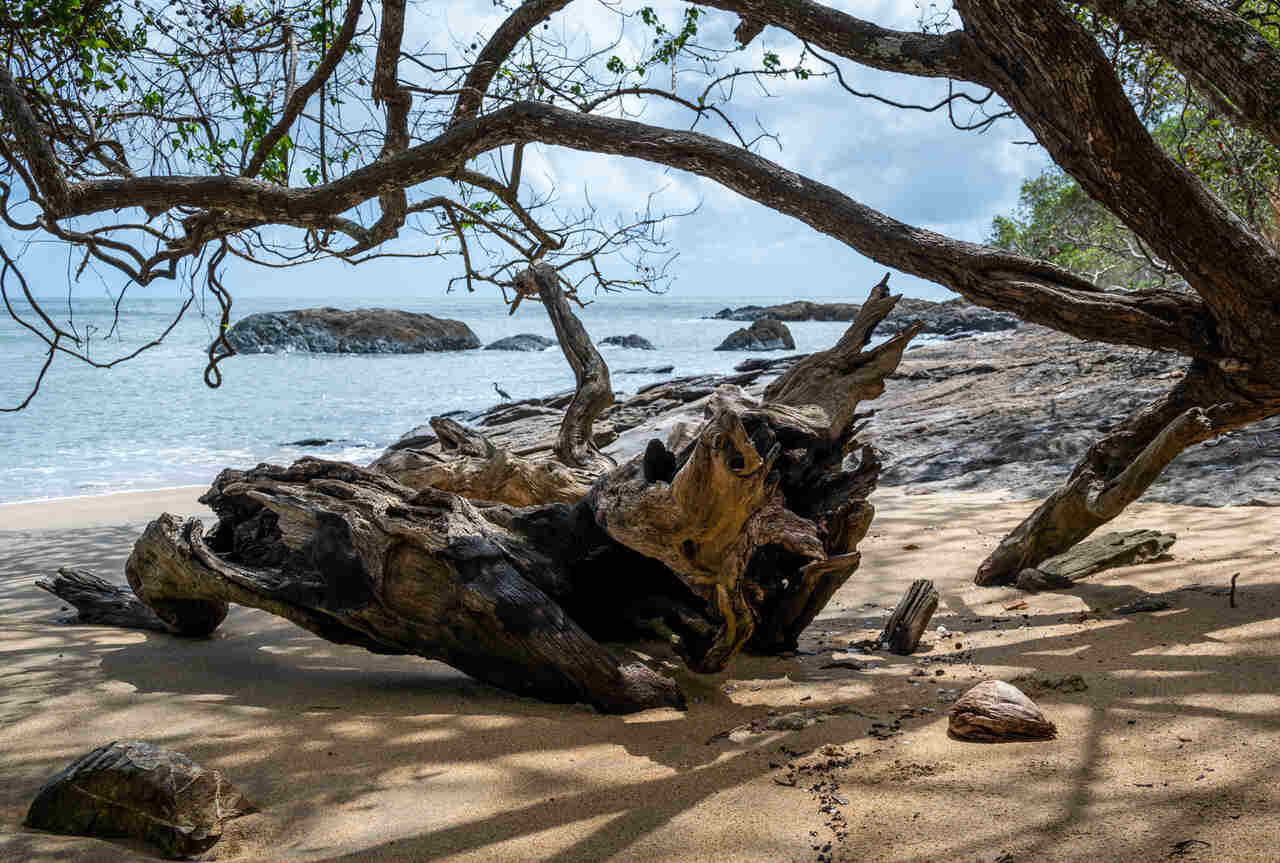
(152, 423)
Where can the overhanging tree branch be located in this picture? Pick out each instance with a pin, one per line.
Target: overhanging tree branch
(34, 145)
(1036, 291)
(1052, 72)
(950, 55)
(1215, 49)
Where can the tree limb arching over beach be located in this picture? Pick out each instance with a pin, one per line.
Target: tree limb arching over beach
(154, 141)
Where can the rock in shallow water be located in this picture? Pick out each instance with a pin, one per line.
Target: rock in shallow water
(134, 789)
(632, 341)
(521, 342)
(763, 335)
(360, 331)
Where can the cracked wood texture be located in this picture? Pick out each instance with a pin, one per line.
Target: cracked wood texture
(733, 536)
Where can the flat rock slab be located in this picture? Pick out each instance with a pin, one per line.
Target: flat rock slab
(134, 789)
(1114, 549)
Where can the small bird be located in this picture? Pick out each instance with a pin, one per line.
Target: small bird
(501, 391)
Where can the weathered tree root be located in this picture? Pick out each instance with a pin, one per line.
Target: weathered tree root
(734, 536)
(1116, 470)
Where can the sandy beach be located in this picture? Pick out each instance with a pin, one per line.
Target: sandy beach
(356, 757)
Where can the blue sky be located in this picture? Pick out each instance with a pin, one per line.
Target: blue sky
(911, 165)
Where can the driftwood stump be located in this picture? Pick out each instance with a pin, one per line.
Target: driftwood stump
(733, 534)
(906, 625)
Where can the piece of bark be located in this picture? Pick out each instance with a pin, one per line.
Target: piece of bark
(134, 789)
(98, 601)
(994, 710)
(1120, 548)
(907, 624)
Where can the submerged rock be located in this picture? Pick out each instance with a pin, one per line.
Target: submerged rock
(522, 342)
(360, 331)
(631, 341)
(134, 789)
(763, 335)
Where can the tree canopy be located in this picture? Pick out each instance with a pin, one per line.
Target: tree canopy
(155, 138)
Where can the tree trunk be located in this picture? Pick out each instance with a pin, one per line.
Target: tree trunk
(575, 446)
(736, 535)
(1117, 469)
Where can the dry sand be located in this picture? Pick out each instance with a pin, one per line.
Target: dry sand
(355, 757)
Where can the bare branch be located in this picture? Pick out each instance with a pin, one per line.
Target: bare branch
(298, 100)
(922, 54)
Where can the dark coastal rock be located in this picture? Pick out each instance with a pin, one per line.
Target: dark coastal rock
(632, 341)
(768, 364)
(647, 370)
(763, 335)
(418, 437)
(797, 310)
(360, 331)
(522, 342)
(134, 789)
(955, 317)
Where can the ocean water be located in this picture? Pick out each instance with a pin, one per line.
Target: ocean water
(152, 423)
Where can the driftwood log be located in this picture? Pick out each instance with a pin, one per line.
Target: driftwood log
(730, 535)
(99, 602)
(1120, 548)
(906, 625)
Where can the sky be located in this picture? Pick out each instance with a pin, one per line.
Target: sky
(910, 165)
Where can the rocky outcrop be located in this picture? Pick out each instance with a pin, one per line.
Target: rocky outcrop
(360, 331)
(797, 310)
(647, 370)
(522, 342)
(947, 318)
(763, 335)
(134, 789)
(632, 341)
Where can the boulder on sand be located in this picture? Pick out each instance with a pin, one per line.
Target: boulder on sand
(134, 789)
